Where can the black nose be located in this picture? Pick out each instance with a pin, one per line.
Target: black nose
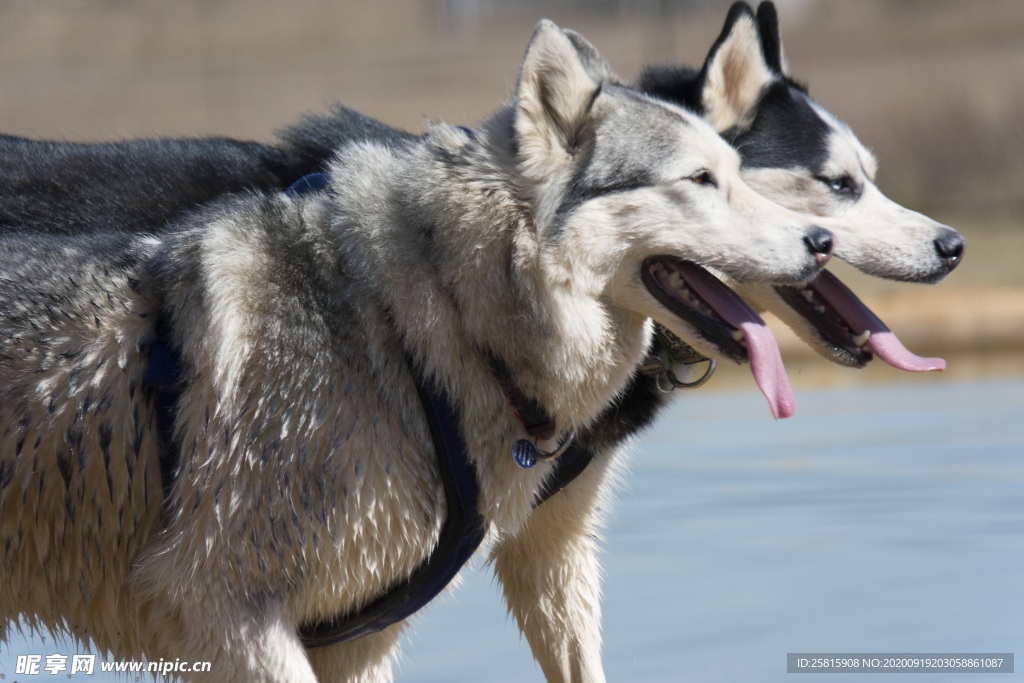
(819, 242)
(950, 247)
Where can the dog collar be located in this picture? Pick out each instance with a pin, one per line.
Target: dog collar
(543, 442)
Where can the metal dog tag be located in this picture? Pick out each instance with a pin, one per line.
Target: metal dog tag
(524, 452)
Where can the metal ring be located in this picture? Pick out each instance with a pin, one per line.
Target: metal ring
(676, 384)
(665, 384)
(563, 446)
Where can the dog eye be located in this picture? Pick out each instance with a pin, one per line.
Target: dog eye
(841, 185)
(703, 177)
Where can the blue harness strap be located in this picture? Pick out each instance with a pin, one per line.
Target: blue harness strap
(464, 526)
(461, 535)
(567, 467)
(163, 378)
(308, 183)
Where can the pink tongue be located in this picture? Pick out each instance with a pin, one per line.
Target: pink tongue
(882, 342)
(765, 359)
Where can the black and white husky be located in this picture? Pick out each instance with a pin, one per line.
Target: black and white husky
(522, 262)
(795, 152)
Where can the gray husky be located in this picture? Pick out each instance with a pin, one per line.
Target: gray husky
(517, 264)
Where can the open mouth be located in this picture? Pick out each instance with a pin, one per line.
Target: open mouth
(852, 331)
(724, 321)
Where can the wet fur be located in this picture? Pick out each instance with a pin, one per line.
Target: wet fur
(306, 485)
(788, 138)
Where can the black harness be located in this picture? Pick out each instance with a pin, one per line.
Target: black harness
(463, 531)
(464, 526)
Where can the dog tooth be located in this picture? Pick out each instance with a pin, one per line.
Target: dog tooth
(807, 293)
(738, 335)
(819, 308)
(862, 338)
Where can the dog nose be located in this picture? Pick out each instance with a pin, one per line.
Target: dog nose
(950, 247)
(819, 242)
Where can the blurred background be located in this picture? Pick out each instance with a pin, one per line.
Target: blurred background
(883, 517)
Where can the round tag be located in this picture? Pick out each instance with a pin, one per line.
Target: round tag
(524, 453)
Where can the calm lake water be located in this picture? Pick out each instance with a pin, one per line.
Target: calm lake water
(879, 519)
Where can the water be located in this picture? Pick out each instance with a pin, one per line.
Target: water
(879, 519)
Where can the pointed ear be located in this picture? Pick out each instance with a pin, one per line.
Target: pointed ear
(735, 73)
(553, 98)
(771, 38)
(596, 65)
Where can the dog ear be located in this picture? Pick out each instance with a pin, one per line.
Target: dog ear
(596, 65)
(771, 38)
(735, 73)
(553, 96)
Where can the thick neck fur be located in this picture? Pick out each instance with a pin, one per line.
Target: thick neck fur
(446, 230)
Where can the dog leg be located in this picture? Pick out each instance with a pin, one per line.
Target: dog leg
(242, 647)
(366, 660)
(550, 576)
(274, 654)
